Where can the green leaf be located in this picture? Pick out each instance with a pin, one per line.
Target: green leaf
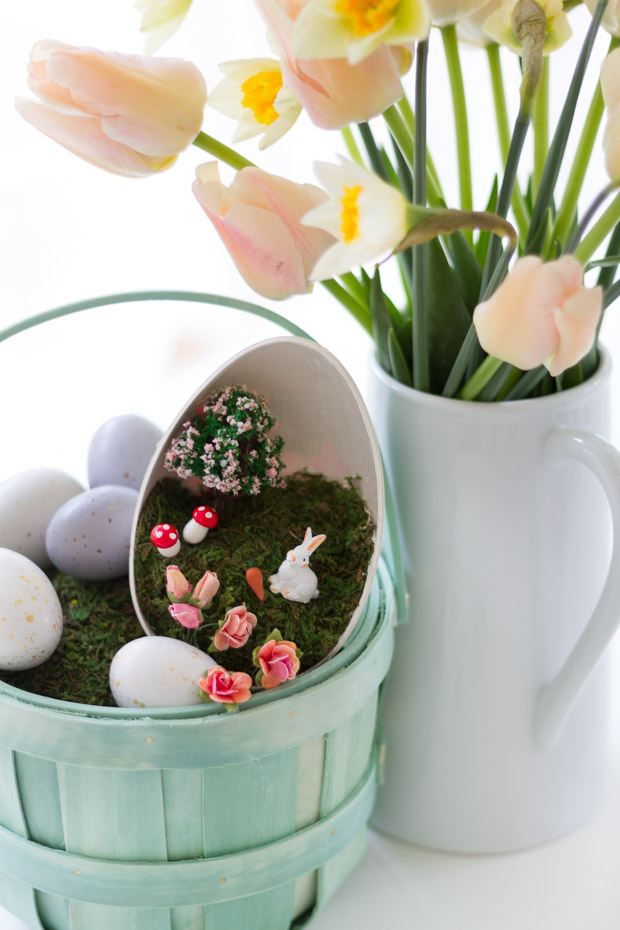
(482, 244)
(610, 262)
(381, 322)
(466, 267)
(449, 320)
(540, 240)
(398, 364)
(404, 335)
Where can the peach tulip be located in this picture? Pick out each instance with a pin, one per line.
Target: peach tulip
(206, 589)
(610, 86)
(540, 315)
(177, 585)
(333, 92)
(128, 114)
(258, 218)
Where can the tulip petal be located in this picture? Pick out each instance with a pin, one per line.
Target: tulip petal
(84, 137)
(152, 104)
(576, 325)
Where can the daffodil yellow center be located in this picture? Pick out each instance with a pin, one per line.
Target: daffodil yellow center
(367, 16)
(259, 92)
(349, 218)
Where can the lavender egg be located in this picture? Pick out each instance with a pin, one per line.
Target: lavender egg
(89, 537)
(120, 451)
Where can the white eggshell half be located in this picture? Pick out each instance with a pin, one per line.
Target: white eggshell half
(28, 501)
(322, 418)
(30, 613)
(158, 671)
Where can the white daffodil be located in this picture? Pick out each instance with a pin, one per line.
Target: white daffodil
(160, 19)
(366, 216)
(353, 29)
(253, 93)
(499, 26)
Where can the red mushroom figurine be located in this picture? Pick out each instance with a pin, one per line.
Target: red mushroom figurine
(165, 538)
(203, 519)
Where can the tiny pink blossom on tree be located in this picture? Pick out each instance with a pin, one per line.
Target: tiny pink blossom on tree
(226, 445)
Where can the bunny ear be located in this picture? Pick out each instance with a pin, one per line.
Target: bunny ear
(307, 537)
(316, 542)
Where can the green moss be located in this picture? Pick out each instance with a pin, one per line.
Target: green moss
(259, 531)
(99, 617)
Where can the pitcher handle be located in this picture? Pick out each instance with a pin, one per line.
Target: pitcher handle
(556, 698)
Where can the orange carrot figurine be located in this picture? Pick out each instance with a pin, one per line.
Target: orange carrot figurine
(254, 578)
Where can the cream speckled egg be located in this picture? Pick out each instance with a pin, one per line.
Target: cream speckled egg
(158, 671)
(30, 613)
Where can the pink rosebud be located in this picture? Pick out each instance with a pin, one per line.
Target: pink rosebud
(177, 584)
(236, 629)
(187, 615)
(541, 314)
(128, 114)
(258, 219)
(226, 688)
(333, 92)
(206, 589)
(278, 662)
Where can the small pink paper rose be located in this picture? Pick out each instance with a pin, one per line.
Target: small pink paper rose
(177, 585)
(226, 687)
(278, 660)
(236, 628)
(206, 589)
(187, 615)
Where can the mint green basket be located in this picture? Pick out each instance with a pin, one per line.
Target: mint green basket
(190, 819)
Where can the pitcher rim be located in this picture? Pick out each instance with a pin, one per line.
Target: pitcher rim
(559, 399)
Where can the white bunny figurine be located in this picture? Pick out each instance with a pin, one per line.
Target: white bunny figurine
(295, 580)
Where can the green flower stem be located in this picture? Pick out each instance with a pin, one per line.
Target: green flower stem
(480, 378)
(222, 152)
(503, 133)
(505, 194)
(404, 108)
(351, 145)
(499, 99)
(355, 287)
(560, 138)
(599, 232)
(357, 310)
(541, 127)
(404, 139)
(455, 73)
(421, 362)
(568, 207)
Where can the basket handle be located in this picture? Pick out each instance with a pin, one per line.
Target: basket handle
(391, 549)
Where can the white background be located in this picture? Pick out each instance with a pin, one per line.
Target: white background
(69, 231)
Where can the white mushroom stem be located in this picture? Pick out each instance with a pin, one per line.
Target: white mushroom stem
(171, 551)
(193, 532)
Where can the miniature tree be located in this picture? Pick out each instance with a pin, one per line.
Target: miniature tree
(226, 445)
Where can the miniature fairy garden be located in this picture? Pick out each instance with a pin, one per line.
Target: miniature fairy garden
(243, 576)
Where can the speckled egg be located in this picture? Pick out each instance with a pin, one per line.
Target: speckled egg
(27, 503)
(158, 671)
(121, 450)
(89, 537)
(30, 613)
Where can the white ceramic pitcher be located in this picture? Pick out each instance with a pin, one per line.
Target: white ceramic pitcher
(496, 708)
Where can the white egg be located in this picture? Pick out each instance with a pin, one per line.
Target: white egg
(28, 502)
(158, 671)
(30, 613)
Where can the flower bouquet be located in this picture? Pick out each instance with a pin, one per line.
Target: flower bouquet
(484, 307)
